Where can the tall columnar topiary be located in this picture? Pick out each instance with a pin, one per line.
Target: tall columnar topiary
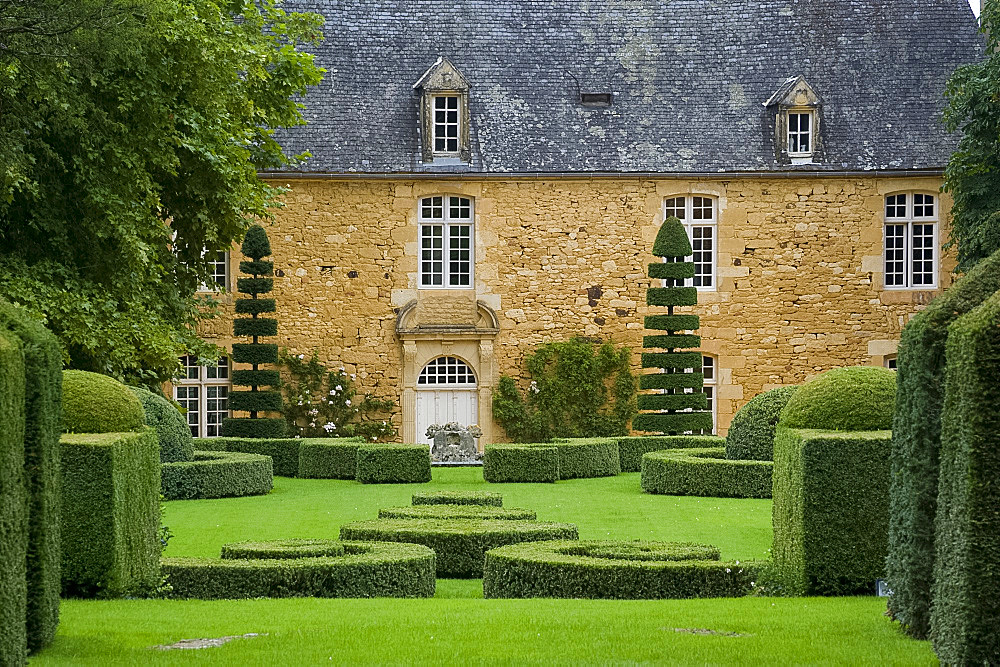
(671, 410)
(255, 247)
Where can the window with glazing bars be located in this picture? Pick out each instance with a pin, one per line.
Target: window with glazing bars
(446, 371)
(699, 218)
(446, 241)
(446, 124)
(708, 371)
(910, 240)
(799, 133)
(204, 392)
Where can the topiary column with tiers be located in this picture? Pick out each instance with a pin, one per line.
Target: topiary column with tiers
(670, 410)
(255, 247)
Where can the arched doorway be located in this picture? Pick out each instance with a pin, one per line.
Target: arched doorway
(446, 392)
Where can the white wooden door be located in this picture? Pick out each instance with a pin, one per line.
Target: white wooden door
(446, 392)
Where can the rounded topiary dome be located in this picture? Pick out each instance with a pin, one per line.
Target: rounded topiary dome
(95, 403)
(751, 433)
(857, 398)
(176, 443)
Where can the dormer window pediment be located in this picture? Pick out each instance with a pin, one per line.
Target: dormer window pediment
(444, 113)
(796, 107)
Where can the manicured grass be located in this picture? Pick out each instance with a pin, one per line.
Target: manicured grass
(602, 508)
(458, 626)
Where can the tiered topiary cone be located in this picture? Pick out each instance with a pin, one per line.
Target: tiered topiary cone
(256, 247)
(671, 411)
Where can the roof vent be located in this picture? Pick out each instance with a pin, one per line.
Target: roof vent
(595, 99)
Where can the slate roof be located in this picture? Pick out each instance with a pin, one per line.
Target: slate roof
(689, 79)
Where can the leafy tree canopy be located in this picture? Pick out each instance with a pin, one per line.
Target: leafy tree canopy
(973, 173)
(131, 135)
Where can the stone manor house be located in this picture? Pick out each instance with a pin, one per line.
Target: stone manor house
(489, 175)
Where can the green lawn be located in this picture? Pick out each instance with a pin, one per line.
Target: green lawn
(458, 626)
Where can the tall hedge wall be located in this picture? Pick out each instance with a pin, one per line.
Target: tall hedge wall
(110, 513)
(831, 510)
(43, 416)
(916, 442)
(13, 505)
(965, 615)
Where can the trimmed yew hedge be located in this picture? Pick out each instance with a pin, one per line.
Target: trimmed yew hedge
(295, 548)
(13, 506)
(704, 472)
(365, 570)
(588, 457)
(520, 463)
(966, 595)
(110, 513)
(393, 464)
(631, 448)
(751, 433)
(329, 458)
(830, 510)
(284, 452)
(457, 512)
(95, 403)
(490, 498)
(460, 544)
(217, 475)
(42, 428)
(172, 431)
(612, 570)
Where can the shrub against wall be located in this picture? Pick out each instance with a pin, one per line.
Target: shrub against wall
(751, 433)
(255, 246)
(917, 441)
(95, 403)
(42, 427)
(323, 403)
(577, 390)
(176, 443)
(13, 506)
(966, 594)
(670, 410)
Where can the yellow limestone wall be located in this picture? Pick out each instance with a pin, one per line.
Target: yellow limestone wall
(799, 273)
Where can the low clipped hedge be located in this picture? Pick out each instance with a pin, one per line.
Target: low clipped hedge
(588, 457)
(173, 432)
(457, 512)
(393, 464)
(110, 513)
(95, 403)
(329, 458)
(365, 570)
(13, 506)
(751, 433)
(856, 398)
(296, 548)
(217, 475)
(284, 452)
(704, 472)
(612, 570)
(631, 448)
(261, 428)
(831, 510)
(490, 498)
(460, 544)
(520, 463)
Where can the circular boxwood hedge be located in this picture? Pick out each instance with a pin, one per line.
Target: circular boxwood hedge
(366, 570)
(457, 512)
(95, 403)
(612, 570)
(704, 472)
(217, 475)
(458, 498)
(460, 544)
(856, 398)
(296, 548)
(751, 433)
(176, 443)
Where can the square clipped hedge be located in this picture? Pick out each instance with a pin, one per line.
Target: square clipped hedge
(283, 451)
(632, 447)
(217, 475)
(42, 427)
(831, 510)
(520, 463)
(13, 506)
(704, 472)
(393, 464)
(110, 513)
(965, 614)
(329, 458)
(588, 457)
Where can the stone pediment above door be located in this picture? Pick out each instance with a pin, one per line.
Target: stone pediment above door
(447, 311)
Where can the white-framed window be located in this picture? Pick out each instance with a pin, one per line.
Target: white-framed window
(911, 231)
(890, 361)
(204, 392)
(708, 370)
(446, 125)
(219, 277)
(699, 215)
(800, 133)
(450, 371)
(446, 241)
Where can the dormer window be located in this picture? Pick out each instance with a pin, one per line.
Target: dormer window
(444, 114)
(796, 108)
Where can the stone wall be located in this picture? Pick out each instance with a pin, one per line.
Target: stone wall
(799, 273)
